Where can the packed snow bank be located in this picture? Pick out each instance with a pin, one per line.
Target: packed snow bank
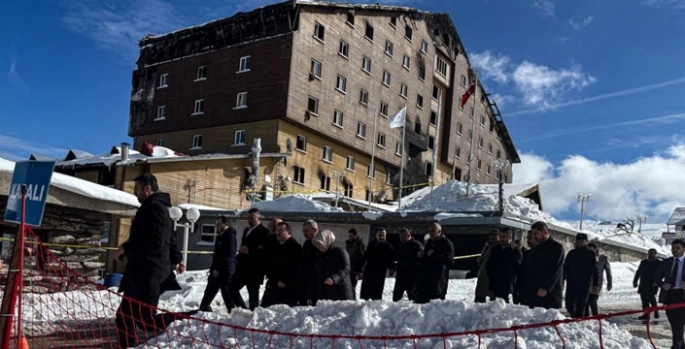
(295, 203)
(607, 232)
(384, 318)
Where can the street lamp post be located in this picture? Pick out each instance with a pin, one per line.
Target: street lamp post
(501, 165)
(193, 214)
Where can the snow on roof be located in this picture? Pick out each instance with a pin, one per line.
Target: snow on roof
(82, 187)
(77, 154)
(678, 217)
(376, 6)
(200, 207)
(295, 203)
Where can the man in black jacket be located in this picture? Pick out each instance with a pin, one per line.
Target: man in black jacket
(223, 266)
(503, 266)
(149, 262)
(356, 248)
(309, 253)
(647, 288)
(282, 274)
(378, 259)
(520, 296)
(545, 273)
(251, 260)
(436, 259)
(669, 276)
(580, 272)
(407, 266)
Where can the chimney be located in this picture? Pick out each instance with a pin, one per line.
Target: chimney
(124, 151)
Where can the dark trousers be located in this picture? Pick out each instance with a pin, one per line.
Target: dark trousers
(575, 303)
(132, 315)
(372, 287)
(676, 317)
(252, 292)
(648, 299)
(402, 286)
(591, 305)
(214, 285)
(275, 295)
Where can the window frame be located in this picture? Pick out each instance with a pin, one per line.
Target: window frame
(319, 32)
(201, 103)
(312, 69)
(361, 127)
(241, 97)
(201, 73)
(244, 67)
(338, 80)
(352, 161)
(304, 143)
(327, 154)
(316, 105)
(344, 49)
(298, 172)
(239, 138)
(197, 139)
(165, 78)
(337, 114)
(161, 110)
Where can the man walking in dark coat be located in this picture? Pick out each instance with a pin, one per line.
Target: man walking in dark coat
(356, 248)
(503, 266)
(407, 266)
(283, 273)
(223, 266)
(580, 272)
(309, 254)
(669, 276)
(378, 259)
(545, 270)
(149, 263)
(647, 288)
(436, 259)
(603, 267)
(251, 260)
(520, 296)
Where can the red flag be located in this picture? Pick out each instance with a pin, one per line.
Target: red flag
(469, 91)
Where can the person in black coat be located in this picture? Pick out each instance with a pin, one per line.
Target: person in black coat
(503, 266)
(149, 262)
(434, 270)
(378, 259)
(407, 266)
(331, 275)
(250, 266)
(545, 270)
(647, 288)
(670, 278)
(283, 273)
(223, 266)
(356, 248)
(520, 296)
(309, 253)
(580, 272)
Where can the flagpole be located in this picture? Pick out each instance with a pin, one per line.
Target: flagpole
(404, 131)
(372, 170)
(473, 134)
(435, 141)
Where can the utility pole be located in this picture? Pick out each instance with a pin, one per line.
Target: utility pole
(583, 198)
(501, 166)
(640, 220)
(337, 175)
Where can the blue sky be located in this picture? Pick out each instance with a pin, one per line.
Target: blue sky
(584, 86)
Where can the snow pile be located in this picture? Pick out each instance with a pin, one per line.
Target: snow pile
(163, 152)
(295, 203)
(607, 231)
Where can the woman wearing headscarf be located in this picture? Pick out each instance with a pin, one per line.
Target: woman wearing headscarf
(331, 277)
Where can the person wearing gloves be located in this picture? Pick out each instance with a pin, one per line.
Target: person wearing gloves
(331, 276)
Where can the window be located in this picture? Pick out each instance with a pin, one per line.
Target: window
(422, 72)
(201, 73)
(424, 46)
(161, 112)
(429, 169)
(431, 142)
(361, 130)
(197, 142)
(398, 148)
(348, 189)
(350, 163)
(327, 154)
(459, 104)
(482, 120)
(479, 164)
(369, 31)
(403, 91)
(301, 143)
(499, 154)
(239, 137)
(388, 47)
(313, 105)
(366, 64)
(159, 142)
(417, 126)
(341, 84)
(472, 112)
(325, 182)
(460, 128)
(480, 142)
(199, 107)
(319, 31)
(487, 170)
(241, 100)
(386, 78)
(163, 81)
(370, 173)
(298, 176)
(437, 93)
(492, 126)
(419, 101)
(470, 135)
(489, 148)
(457, 153)
(388, 178)
(338, 118)
(244, 64)
(406, 61)
(408, 32)
(381, 140)
(441, 67)
(463, 80)
(384, 108)
(344, 49)
(316, 69)
(208, 233)
(393, 22)
(364, 97)
(350, 18)
(434, 117)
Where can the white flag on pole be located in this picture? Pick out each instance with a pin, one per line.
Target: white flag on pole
(399, 119)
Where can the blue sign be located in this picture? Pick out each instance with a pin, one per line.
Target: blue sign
(36, 176)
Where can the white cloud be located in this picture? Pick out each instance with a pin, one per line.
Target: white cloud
(492, 66)
(678, 4)
(13, 76)
(644, 186)
(582, 24)
(13, 148)
(545, 7)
